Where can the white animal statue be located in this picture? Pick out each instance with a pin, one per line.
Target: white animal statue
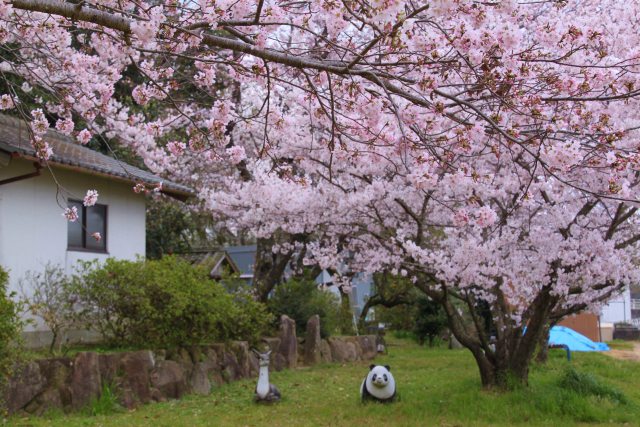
(379, 385)
(265, 391)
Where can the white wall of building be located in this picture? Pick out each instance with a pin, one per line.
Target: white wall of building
(618, 309)
(33, 231)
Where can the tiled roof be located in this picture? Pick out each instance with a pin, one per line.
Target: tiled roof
(15, 138)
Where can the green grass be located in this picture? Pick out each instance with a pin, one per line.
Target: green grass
(437, 387)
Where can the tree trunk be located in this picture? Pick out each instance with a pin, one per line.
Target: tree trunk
(346, 315)
(56, 340)
(543, 345)
(269, 268)
(505, 364)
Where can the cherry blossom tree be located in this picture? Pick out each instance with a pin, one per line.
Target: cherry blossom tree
(487, 151)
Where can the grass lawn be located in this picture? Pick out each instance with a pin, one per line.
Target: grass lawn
(436, 387)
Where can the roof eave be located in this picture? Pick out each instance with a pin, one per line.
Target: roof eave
(176, 194)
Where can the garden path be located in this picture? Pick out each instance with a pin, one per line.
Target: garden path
(633, 354)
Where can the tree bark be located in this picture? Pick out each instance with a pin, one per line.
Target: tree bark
(543, 345)
(505, 363)
(269, 268)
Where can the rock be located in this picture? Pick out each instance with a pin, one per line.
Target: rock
(49, 399)
(169, 377)
(156, 395)
(352, 352)
(312, 341)
(368, 346)
(254, 367)
(134, 382)
(86, 383)
(230, 368)
(211, 356)
(108, 364)
(325, 352)
(288, 341)
(25, 384)
(241, 351)
(199, 379)
(278, 361)
(58, 375)
(339, 351)
(185, 359)
(454, 343)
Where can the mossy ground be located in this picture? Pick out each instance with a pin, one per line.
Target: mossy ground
(437, 387)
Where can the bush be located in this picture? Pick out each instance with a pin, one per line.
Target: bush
(588, 385)
(164, 303)
(10, 329)
(300, 299)
(430, 320)
(48, 295)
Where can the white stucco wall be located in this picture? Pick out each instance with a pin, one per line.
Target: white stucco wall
(33, 231)
(618, 309)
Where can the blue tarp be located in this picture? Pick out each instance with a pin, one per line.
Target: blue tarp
(561, 335)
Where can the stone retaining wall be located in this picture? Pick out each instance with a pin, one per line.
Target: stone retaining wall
(143, 376)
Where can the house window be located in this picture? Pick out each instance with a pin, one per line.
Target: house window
(91, 220)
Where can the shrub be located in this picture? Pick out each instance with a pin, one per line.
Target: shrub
(430, 320)
(164, 303)
(106, 404)
(588, 385)
(10, 329)
(49, 297)
(300, 298)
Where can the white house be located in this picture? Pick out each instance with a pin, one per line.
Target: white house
(618, 309)
(33, 195)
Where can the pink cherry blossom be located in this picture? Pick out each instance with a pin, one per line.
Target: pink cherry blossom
(91, 198)
(84, 136)
(236, 154)
(176, 147)
(71, 214)
(7, 102)
(487, 149)
(485, 216)
(65, 126)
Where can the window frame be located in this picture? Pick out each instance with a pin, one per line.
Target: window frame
(84, 229)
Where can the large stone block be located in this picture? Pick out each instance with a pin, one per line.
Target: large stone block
(312, 341)
(86, 383)
(288, 341)
(367, 346)
(25, 384)
(241, 351)
(325, 352)
(133, 379)
(199, 381)
(231, 370)
(169, 378)
(339, 351)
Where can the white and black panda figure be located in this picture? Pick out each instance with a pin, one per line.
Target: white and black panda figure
(378, 385)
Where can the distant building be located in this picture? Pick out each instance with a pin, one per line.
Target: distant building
(241, 260)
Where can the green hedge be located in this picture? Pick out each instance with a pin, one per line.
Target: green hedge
(10, 329)
(164, 303)
(300, 298)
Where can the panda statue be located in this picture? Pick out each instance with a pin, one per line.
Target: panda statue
(378, 385)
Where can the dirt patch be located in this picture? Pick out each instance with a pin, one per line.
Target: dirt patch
(626, 354)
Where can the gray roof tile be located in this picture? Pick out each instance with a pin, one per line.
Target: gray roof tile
(15, 138)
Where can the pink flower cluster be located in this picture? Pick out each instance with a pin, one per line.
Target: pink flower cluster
(90, 198)
(71, 214)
